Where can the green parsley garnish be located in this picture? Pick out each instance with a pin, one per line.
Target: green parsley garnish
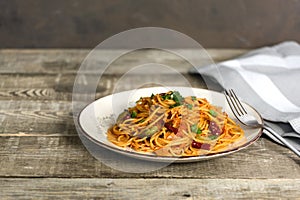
(133, 114)
(213, 137)
(167, 96)
(199, 131)
(177, 97)
(213, 113)
(189, 106)
(194, 98)
(195, 129)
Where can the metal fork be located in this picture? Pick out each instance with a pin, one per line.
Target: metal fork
(248, 120)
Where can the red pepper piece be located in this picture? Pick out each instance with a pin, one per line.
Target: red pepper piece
(199, 145)
(171, 128)
(196, 145)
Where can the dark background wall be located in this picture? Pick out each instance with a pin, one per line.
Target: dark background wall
(85, 23)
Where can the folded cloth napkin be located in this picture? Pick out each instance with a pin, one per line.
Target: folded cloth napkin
(268, 79)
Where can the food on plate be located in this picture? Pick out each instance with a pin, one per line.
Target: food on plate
(169, 124)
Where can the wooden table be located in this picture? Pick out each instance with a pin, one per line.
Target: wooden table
(43, 157)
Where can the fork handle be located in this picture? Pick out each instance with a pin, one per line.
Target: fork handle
(281, 139)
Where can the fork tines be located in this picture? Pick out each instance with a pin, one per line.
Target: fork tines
(234, 102)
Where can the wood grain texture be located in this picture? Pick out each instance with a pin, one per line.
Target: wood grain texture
(58, 61)
(50, 74)
(63, 156)
(36, 117)
(43, 157)
(50, 87)
(149, 188)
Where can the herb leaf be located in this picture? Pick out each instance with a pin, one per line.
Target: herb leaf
(199, 131)
(133, 114)
(213, 137)
(189, 106)
(177, 98)
(213, 113)
(194, 128)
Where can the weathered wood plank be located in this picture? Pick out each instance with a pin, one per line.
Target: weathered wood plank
(36, 118)
(35, 105)
(56, 61)
(48, 188)
(60, 87)
(65, 82)
(67, 157)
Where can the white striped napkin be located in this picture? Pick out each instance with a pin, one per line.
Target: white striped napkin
(268, 79)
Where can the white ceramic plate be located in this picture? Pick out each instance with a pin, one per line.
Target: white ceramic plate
(98, 116)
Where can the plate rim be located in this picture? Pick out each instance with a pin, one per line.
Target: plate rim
(156, 158)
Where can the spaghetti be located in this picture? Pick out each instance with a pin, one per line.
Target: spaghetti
(171, 125)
